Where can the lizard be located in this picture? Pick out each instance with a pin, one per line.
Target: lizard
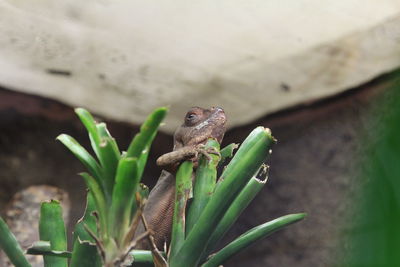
(189, 139)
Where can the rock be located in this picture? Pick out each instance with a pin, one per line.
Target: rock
(22, 216)
(122, 59)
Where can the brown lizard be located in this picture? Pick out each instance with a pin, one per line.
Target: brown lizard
(189, 139)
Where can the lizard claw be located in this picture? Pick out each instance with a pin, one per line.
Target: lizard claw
(213, 150)
(207, 151)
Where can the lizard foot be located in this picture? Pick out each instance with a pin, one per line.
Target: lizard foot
(201, 149)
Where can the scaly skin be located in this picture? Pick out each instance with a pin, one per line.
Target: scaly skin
(199, 125)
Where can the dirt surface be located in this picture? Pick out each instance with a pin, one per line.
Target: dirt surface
(311, 167)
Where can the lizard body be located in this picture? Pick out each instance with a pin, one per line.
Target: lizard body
(199, 125)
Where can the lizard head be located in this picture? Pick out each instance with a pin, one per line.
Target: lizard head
(200, 124)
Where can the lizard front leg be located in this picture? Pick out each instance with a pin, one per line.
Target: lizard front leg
(175, 157)
(172, 159)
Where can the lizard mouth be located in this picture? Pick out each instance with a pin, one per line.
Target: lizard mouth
(216, 119)
(219, 113)
(219, 120)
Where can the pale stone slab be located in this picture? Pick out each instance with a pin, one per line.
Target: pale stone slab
(123, 58)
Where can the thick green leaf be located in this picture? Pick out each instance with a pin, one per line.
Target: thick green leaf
(105, 148)
(250, 237)
(84, 251)
(123, 196)
(206, 175)
(146, 134)
(248, 159)
(246, 163)
(140, 145)
(52, 228)
(100, 203)
(43, 248)
(247, 194)
(9, 244)
(88, 219)
(104, 133)
(109, 156)
(227, 152)
(85, 254)
(142, 258)
(82, 154)
(182, 193)
(90, 125)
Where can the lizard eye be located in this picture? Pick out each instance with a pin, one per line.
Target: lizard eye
(191, 118)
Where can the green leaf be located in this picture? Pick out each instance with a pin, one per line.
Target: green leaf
(250, 237)
(84, 251)
(90, 125)
(52, 228)
(104, 133)
(105, 148)
(88, 219)
(182, 193)
(245, 164)
(206, 175)
(43, 248)
(140, 145)
(109, 156)
(227, 152)
(11, 247)
(123, 196)
(142, 258)
(100, 201)
(248, 159)
(247, 194)
(82, 154)
(85, 254)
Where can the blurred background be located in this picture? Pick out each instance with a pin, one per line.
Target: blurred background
(321, 75)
